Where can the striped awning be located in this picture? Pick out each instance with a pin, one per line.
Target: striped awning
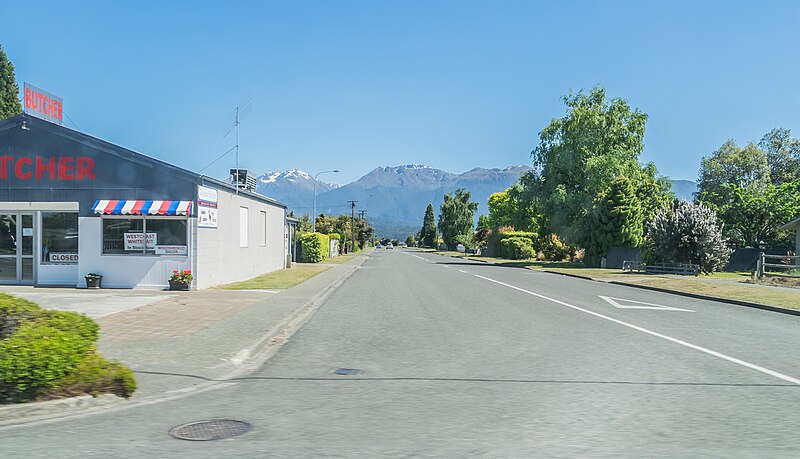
(125, 207)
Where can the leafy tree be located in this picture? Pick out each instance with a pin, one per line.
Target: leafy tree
(752, 216)
(411, 241)
(456, 216)
(579, 155)
(428, 235)
(9, 91)
(732, 165)
(616, 220)
(783, 155)
(654, 194)
(687, 233)
(501, 210)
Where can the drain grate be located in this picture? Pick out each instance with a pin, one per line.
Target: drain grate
(215, 429)
(346, 371)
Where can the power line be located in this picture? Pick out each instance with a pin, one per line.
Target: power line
(221, 156)
(70, 120)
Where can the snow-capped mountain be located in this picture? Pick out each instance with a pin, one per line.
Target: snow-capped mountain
(395, 197)
(294, 187)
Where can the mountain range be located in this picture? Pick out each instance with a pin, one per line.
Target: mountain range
(395, 197)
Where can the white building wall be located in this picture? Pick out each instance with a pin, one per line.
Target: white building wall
(122, 271)
(221, 260)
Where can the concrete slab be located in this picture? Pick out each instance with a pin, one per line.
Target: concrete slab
(93, 303)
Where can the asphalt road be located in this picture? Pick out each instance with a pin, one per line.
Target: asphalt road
(463, 359)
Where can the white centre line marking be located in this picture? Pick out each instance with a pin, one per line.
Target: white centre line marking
(658, 335)
(417, 256)
(462, 271)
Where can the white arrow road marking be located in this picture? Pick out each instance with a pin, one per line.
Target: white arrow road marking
(631, 304)
(681, 342)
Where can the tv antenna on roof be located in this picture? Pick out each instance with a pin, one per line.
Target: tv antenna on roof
(243, 109)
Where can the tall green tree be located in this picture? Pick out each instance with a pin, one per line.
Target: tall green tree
(783, 155)
(456, 217)
(752, 216)
(731, 165)
(9, 91)
(579, 155)
(616, 220)
(427, 236)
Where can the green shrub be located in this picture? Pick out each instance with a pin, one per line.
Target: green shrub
(553, 249)
(96, 375)
(335, 236)
(79, 324)
(495, 239)
(36, 357)
(314, 247)
(42, 350)
(13, 311)
(517, 248)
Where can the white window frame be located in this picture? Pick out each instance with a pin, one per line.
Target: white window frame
(244, 224)
(144, 252)
(263, 232)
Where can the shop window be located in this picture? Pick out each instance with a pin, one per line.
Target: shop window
(59, 237)
(243, 223)
(169, 236)
(263, 229)
(153, 236)
(123, 235)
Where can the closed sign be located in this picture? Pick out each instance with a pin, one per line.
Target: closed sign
(56, 257)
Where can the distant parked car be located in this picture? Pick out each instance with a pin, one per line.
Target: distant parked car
(378, 246)
(389, 246)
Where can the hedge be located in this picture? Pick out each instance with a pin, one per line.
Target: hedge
(314, 247)
(498, 235)
(517, 248)
(42, 350)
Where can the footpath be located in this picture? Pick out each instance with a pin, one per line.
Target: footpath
(178, 343)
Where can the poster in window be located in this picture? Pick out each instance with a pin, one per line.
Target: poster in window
(133, 241)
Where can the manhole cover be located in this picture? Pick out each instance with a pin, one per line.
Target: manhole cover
(346, 371)
(210, 430)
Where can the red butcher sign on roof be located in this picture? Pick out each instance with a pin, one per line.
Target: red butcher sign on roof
(42, 104)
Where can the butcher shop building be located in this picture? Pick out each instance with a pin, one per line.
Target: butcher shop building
(72, 204)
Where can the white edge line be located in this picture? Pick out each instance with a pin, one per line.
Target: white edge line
(658, 335)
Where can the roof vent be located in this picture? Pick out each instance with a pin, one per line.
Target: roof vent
(243, 179)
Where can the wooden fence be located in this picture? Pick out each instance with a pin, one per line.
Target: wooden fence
(786, 262)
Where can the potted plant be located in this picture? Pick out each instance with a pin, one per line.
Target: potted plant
(93, 280)
(180, 280)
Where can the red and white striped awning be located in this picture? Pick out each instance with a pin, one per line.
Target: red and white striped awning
(127, 207)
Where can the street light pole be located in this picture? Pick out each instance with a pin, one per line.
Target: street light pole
(314, 208)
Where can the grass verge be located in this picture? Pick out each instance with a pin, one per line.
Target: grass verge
(728, 285)
(783, 298)
(281, 279)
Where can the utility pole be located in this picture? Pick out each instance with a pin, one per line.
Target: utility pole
(352, 225)
(362, 214)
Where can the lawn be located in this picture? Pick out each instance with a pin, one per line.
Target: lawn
(732, 286)
(771, 296)
(281, 279)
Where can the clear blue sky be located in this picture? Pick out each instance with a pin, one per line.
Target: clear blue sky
(357, 85)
